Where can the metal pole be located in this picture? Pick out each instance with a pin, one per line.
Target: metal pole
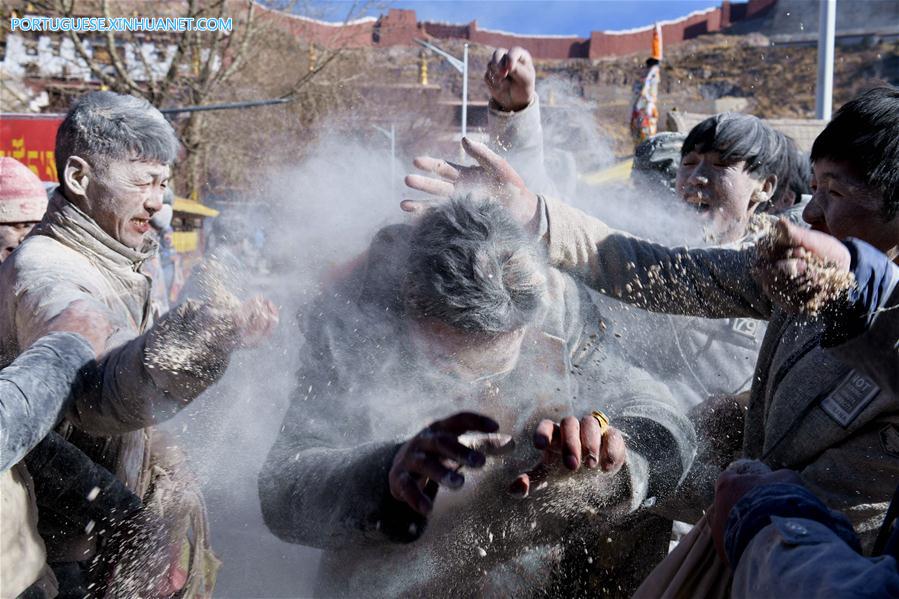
(393, 159)
(465, 91)
(826, 33)
(391, 135)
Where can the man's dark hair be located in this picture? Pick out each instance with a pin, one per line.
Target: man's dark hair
(472, 267)
(740, 137)
(865, 133)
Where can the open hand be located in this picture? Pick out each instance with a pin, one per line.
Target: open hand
(571, 443)
(492, 176)
(433, 457)
(256, 320)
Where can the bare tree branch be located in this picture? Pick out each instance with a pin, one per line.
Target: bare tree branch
(96, 71)
(240, 56)
(120, 67)
(181, 49)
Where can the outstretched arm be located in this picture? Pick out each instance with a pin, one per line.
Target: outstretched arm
(149, 379)
(713, 283)
(514, 129)
(137, 382)
(36, 390)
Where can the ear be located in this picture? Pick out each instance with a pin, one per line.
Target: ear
(764, 191)
(77, 176)
(769, 185)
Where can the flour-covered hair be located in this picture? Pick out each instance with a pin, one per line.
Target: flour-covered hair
(105, 126)
(472, 267)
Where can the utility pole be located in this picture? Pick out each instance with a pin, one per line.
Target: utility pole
(465, 90)
(391, 135)
(462, 67)
(826, 34)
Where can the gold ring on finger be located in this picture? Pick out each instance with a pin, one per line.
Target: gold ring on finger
(602, 419)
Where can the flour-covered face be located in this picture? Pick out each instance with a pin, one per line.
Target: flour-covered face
(467, 355)
(123, 196)
(724, 193)
(11, 235)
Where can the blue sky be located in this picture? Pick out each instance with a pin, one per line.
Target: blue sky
(575, 17)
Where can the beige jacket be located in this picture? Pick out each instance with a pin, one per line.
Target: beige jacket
(823, 412)
(69, 257)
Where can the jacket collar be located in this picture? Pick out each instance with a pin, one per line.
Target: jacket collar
(66, 223)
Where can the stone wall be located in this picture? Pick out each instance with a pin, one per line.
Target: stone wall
(400, 27)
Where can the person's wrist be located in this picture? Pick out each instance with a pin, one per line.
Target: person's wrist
(512, 105)
(521, 105)
(518, 106)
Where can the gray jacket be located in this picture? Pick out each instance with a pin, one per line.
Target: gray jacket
(826, 412)
(697, 358)
(361, 393)
(35, 392)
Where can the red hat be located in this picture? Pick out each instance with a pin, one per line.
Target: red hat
(23, 198)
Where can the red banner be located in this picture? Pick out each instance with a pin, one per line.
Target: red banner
(31, 139)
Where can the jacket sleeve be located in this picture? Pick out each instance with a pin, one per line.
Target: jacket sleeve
(35, 391)
(865, 334)
(803, 554)
(518, 137)
(139, 381)
(324, 483)
(660, 439)
(713, 282)
(149, 379)
(661, 442)
(781, 538)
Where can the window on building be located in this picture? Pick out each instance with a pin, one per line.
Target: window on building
(31, 47)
